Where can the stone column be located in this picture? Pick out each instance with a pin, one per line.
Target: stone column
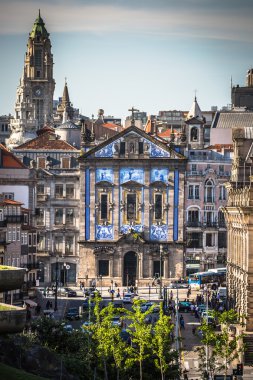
(115, 200)
(166, 266)
(92, 203)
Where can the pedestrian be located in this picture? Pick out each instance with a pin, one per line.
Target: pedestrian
(182, 321)
(51, 305)
(171, 294)
(194, 330)
(48, 304)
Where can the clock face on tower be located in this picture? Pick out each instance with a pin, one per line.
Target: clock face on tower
(37, 91)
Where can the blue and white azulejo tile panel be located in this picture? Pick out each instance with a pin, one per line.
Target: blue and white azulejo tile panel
(159, 232)
(131, 174)
(158, 152)
(106, 151)
(104, 174)
(104, 232)
(159, 175)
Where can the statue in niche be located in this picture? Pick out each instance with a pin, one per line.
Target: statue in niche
(116, 148)
(131, 147)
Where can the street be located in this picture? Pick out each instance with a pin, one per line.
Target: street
(188, 342)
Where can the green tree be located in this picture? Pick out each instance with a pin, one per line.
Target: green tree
(223, 347)
(141, 336)
(162, 344)
(108, 339)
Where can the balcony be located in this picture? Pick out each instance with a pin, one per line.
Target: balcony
(193, 223)
(194, 173)
(210, 225)
(42, 197)
(31, 266)
(14, 218)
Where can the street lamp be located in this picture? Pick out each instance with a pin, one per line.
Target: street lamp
(100, 277)
(161, 285)
(56, 284)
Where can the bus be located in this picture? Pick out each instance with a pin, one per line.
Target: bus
(211, 277)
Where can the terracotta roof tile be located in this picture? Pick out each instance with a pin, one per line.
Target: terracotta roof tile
(9, 160)
(10, 202)
(46, 141)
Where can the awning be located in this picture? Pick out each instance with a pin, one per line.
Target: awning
(192, 265)
(30, 303)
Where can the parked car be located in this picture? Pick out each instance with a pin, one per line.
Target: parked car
(127, 298)
(178, 285)
(145, 306)
(184, 306)
(116, 321)
(62, 291)
(148, 319)
(86, 327)
(156, 309)
(94, 294)
(72, 313)
(88, 303)
(68, 328)
(71, 293)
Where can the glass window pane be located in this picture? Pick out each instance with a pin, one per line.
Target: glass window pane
(131, 206)
(104, 206)
(158, 206)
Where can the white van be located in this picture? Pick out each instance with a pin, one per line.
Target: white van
(222, 292)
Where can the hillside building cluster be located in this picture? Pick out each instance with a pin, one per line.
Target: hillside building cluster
(99, 202)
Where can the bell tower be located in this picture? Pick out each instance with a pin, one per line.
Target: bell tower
(195, 127)
(34, 101)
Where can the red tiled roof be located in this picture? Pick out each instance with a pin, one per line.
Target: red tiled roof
(166, 133)
(10, 202)
(9, 160)
(111, 126)
(46, 141)
(219, 147)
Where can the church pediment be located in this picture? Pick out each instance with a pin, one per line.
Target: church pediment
(158, 184)
(130, 184)
(132, 143)
(104, 184)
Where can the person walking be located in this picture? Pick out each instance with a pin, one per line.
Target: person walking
(181, 321)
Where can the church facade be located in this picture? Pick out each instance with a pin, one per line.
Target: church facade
(131, 210)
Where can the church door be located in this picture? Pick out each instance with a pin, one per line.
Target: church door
(130, 269)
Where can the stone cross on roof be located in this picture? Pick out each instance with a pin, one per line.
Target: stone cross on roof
(133, 110)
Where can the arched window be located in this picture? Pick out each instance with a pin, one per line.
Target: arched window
(194, 134)
(209, 191)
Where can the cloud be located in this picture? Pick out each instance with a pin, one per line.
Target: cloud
(182, 18)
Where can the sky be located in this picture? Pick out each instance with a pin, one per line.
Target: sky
(150, 54)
